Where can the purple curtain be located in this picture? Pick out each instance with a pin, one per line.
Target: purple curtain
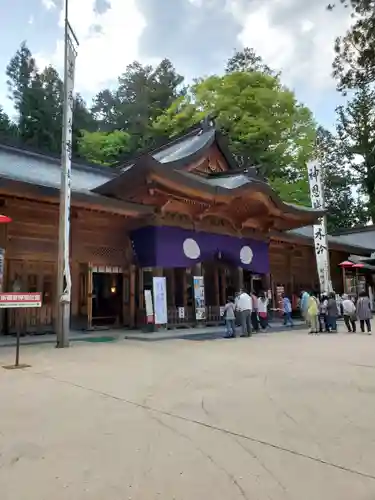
(174, 247)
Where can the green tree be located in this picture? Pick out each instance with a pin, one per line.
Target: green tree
(83, 121)
(263, 121)
(354, 64)
(103, 148)
(356, 131)
(38, 99)
(344, 208)
(143, 93)
(21, 72)
(8, 129)
(293, 191)
(247, 60)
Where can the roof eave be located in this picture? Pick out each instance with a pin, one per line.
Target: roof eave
(81, 199)
(284, 235)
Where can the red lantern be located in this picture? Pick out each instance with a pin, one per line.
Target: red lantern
(358, 266)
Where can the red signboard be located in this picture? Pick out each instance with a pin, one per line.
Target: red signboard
(20, 299)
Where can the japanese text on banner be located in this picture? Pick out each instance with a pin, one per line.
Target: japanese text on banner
(319, 229)
(67, 152)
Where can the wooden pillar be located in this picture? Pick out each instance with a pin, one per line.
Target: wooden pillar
(157, 272)
(89, 293)
(75, 261)
(216, 286)
(4, 277)
(185, 288)
(197, 270)
(141, 299)
(289, 285)
(239, 279)
(173, 287)
(133, 273)
(223, 285)
(266, 282)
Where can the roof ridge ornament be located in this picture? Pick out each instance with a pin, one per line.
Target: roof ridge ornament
(256, 172)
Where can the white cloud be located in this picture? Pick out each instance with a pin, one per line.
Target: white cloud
(49, 4)
(31, 20)
(108, 42)
(297, 41)
(293, 36)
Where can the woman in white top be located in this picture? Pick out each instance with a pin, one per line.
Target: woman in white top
(349, 312)
(263, 311)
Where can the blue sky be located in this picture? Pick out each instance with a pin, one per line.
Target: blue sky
(294, 36)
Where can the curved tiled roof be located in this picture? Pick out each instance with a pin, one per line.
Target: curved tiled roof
(167, 163)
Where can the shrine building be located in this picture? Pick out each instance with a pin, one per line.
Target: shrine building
(183, 210)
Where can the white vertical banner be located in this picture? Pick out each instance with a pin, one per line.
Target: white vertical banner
(160, 300)
(149, 306)
(67, 156)
(320, 229)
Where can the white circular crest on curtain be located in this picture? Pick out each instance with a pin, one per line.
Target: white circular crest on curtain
(246, 255)
(191, 248)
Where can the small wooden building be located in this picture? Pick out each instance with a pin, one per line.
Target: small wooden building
(185, 209)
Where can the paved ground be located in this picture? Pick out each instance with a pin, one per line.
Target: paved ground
(284, 416)
(205, 333)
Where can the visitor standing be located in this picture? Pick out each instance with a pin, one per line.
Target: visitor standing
(254, 312)
(332, 312)
(323, 323)
(263, 310)
(349, 313)
(230, 318)
(364, 313)
(313, 313)
(304, 304)
(245, 306)
(287, 311)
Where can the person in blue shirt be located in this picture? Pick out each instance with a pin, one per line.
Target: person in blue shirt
(287, 310)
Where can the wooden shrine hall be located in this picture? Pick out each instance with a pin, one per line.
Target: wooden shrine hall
(183, 210)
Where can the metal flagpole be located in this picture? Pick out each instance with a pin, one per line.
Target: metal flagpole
(64, 284)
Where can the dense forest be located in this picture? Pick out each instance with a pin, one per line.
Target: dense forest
(263, 121)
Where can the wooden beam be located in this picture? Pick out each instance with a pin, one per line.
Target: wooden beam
(215, 210)
(133, 274)
(98, 203)
(216, 286)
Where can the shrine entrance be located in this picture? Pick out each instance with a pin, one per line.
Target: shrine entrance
(104, 299)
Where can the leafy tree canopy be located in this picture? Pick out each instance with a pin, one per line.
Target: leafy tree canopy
(263, 121)
(354, 64)
(344, 209)
(8, 129)
(247, 60)
(356, 131)
(142, 95)
(38, 100)
(103, 148)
